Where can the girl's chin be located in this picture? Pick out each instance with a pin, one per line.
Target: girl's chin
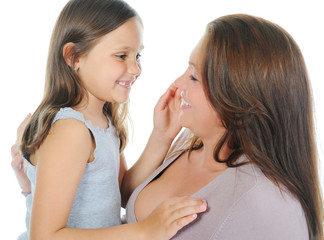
(122, 100)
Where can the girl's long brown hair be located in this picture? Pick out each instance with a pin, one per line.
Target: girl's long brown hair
(81, 22)
(255, 77)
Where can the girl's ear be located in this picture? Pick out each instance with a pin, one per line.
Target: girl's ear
(68, 54)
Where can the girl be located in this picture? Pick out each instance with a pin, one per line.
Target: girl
(75, 139)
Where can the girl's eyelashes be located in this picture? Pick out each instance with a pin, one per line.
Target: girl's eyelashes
(121, 56)
(124, 56)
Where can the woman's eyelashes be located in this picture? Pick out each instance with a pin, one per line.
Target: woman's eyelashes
(193, 78)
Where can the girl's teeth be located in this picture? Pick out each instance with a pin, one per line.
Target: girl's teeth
(124, 84)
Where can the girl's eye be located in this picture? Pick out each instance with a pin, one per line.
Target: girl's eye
(138, 56)
(193, 78)
(122, 56)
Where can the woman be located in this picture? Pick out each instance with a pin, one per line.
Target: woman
(249, 144)
(246, 98)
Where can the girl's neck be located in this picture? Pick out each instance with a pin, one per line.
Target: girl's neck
(92, 109)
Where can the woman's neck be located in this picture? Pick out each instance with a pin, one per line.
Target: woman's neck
(205, 155)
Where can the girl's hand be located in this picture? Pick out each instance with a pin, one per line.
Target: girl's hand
(17, 162)
(166, 113)
(166, 128)
(172, 215)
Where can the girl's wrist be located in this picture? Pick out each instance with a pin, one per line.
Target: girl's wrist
(143, 230)
(161, 136)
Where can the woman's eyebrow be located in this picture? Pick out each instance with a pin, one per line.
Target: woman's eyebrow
(192, 64)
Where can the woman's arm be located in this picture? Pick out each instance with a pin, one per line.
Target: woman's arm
(166, 127)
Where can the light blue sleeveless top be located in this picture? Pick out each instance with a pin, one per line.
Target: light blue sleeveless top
(97, 201)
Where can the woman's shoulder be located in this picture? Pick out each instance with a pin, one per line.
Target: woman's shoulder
(181, 142)
(263, 193)
(265, 209)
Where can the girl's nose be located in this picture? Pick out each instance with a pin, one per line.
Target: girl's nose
(135, 68)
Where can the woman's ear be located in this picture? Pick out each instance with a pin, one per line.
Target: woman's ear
(68, 54)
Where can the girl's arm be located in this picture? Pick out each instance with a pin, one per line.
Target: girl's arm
(163, 223)
(61, 161)
(166, 128)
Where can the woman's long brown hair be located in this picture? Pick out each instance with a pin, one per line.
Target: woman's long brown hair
(255, 77)
(81, 22)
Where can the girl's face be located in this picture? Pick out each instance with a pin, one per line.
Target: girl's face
(197, 112)
(112, 65)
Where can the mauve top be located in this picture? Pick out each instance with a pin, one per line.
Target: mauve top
(242, 204)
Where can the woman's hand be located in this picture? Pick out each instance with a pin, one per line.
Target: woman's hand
(17, 162)
(166, 113)
(172, 215)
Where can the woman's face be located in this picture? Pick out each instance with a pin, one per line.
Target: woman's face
(197, 113)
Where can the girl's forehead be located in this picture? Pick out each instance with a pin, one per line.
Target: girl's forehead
(128, 36)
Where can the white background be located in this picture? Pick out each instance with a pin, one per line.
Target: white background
(172, 28)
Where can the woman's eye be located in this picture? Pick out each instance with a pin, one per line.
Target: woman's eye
(193, 78)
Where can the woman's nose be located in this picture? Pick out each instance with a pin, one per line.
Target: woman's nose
(179, 82)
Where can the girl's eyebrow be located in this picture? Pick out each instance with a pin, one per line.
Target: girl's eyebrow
(130, 48)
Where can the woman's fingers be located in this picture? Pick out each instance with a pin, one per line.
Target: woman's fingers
(17, 160)
(22, 127)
